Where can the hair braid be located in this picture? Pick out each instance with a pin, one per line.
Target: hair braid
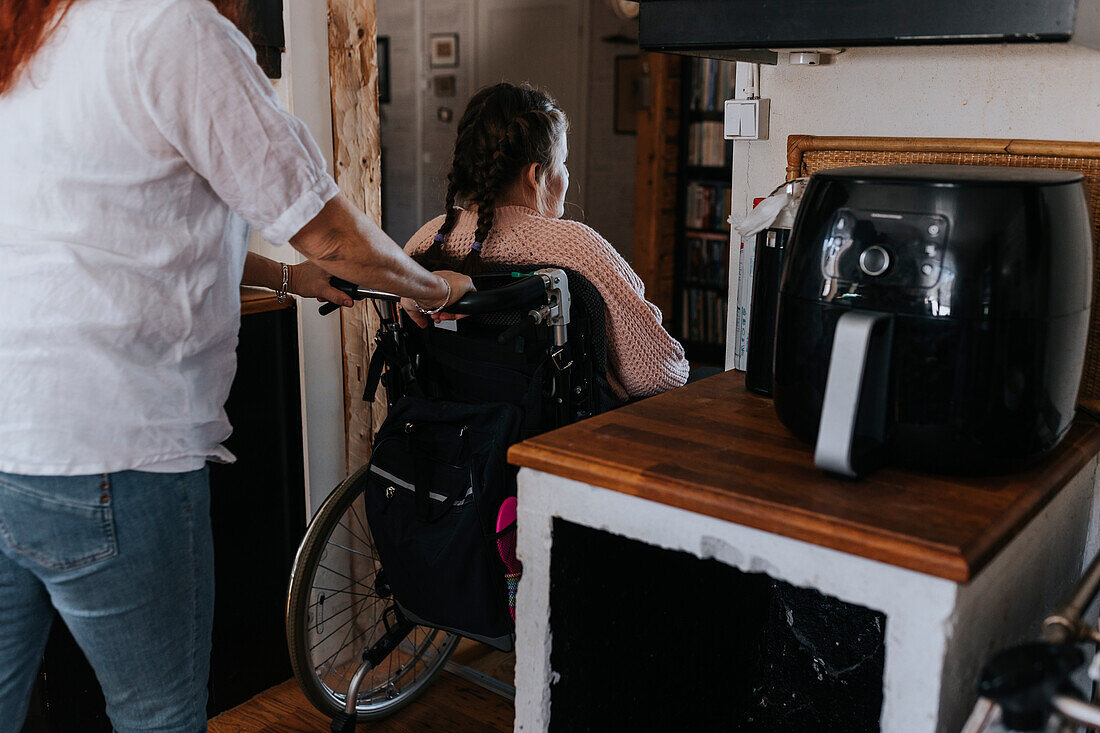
(491, 187)
(433, 257)
(471, 263)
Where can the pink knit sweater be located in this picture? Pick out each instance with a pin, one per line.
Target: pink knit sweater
(642, 358)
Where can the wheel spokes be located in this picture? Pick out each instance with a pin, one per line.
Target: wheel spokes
(346, 573)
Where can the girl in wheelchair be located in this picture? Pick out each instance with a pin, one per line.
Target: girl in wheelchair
(370, 627)
(510, 177)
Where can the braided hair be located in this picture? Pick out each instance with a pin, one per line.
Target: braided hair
(504, 129)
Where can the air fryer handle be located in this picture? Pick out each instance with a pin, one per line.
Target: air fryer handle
(855, 393)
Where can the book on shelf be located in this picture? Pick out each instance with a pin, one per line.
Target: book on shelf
(707, 144)
(707, 205)
(711, 83)
(704, 261)
(704, 317)
(704, 281)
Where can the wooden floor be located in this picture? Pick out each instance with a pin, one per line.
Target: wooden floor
(450, 704)
(479, 657)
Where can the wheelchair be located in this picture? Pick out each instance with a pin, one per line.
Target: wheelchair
(363, 643)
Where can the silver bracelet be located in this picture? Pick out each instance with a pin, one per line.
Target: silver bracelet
(280, 294)
(433, 311)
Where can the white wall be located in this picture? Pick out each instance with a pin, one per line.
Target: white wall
(321, 352)
(304, 88)
(438, 137)
(402, 214)
(1046, 92)
(609, 204)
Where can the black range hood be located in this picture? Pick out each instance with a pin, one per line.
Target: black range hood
(750, 30)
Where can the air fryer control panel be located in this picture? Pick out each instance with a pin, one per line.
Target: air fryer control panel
(884, 248)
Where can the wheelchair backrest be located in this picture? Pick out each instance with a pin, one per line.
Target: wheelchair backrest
(555, 386)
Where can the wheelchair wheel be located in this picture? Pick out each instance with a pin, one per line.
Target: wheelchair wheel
(339, 605)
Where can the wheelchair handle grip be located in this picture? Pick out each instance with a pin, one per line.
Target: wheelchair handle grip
(355, 293)
(517, 293)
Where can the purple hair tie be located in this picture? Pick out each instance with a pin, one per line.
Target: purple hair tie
(476, 247)
(438, 238)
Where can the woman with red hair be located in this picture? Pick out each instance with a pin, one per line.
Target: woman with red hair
(139, 141)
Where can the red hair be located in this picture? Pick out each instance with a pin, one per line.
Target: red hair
(26, 24)
(24, 27)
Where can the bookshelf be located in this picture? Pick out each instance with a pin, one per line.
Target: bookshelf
(702, 239)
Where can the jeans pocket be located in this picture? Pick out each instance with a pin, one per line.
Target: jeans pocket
(58, 522)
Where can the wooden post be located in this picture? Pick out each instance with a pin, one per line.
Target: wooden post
(655, 179)
(355, 131)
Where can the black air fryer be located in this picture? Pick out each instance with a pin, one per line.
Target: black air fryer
(934, 317)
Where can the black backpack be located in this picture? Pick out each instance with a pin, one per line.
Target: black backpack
(437, 477)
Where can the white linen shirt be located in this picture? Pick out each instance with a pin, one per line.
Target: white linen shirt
(139, 142)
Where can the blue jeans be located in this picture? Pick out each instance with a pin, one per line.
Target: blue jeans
(127, 559)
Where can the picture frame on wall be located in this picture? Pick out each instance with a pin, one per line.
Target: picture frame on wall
(383, 69)
(444, 85)
(444, 50)
(628, 93)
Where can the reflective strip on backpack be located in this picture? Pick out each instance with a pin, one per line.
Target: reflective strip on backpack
(431, 494)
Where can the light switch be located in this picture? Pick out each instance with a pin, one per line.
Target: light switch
(733, 121)
(746, 119)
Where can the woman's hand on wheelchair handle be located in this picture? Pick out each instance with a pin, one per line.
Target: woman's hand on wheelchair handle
(310, 281)
(459, 285)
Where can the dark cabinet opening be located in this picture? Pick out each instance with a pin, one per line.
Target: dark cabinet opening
(651, 639)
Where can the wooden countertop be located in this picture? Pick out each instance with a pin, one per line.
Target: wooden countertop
(716, 449)
(261, 300)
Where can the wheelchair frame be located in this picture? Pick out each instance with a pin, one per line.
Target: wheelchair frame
(546, 292)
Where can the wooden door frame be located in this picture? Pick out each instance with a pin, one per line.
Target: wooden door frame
(353, 73)
(655, 175)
